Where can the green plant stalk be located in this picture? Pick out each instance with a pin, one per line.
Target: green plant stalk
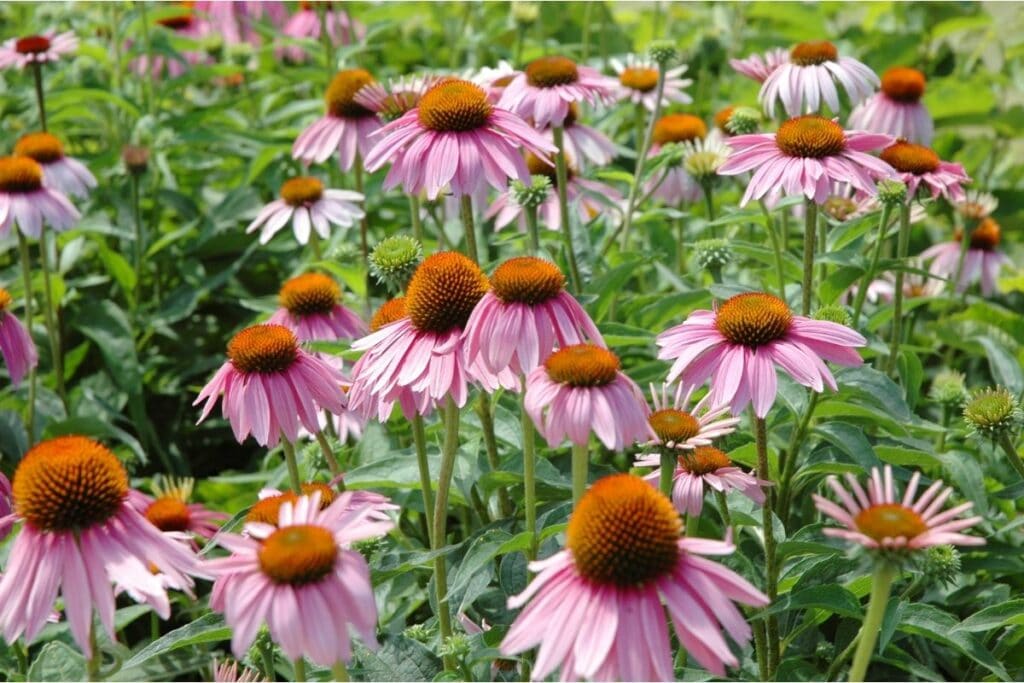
(771, 571)
(314, 245)
(529, 475)
(940, 444)
(364, 227)
(325, 39)
(37, 73)
(340, 672)
(776, 247)
(668, 468)
(449, 452)
(691, 525)
(139, 243)
(680, 241)
(92, 664)
(300, 670)
(965, 244)
(869, 274)
(641, 159)
(52, 328)
(147, 78)
(723, 505)
(532, 229)
(881, 587)
(1011, 453)
(709, 204)
(267, 658)
(414, 216)
(580, 471)
(792, 452)
(419, 439)
(811, 220)
(822, 249)
(26, 274)
(902, 246)
(469, 227)
(761, 649)
(329, 457)
(562, 182)
(486, 414)
(838, 662)
(585, 49)
(293, 465)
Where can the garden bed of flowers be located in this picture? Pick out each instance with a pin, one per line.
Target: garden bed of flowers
(511, 341)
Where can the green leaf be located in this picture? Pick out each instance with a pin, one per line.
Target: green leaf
(398, 659)
(57, 661)
(911, 375)
(995, 616)
(831, 597)
(908, 457)
(209, 628)
(1006, 370)
(850, 441)
(934, 624)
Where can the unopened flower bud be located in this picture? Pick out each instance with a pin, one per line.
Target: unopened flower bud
(993, 413)
(949, 388)
(394, 260)
(892, 192)
(941, 564)
(712, 254)
(533, 195)
(743, 121)
(136, 159)
(834, 313)
(663, 52)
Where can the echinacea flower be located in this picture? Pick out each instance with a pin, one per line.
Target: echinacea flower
(301, 579)
(16, 345)
(679, 427)
(897, 109)
(760, 67)
(638, 82)
(81, 534)
(596, 608)
(268, 507)
(61, 172)
(981, 262)
(229, 673)
(306, 23)
(399, 96)
(309, 206)
(344, 128)
(589, 198)
(919, 166)
(40, 49)
(233, 19)
(977, 205)
(6, 520)
(807, 80)
(580, 389)
(739, 344)
(698, 470)
(170, 509)
(187, 25)
(583, 144)
(311, 307)
(524, 316)
(674, 184)
(25, 200)
(805, 157)
(270, 386)
(419, 359)
(494, 79)
(878, 519)
(547, 86)
(455, 138)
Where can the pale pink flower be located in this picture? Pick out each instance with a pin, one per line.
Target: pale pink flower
(580, 389)
(678, 426)
(16, 345)
(547, 86)
(981, 262)
(234, 19)
(807, 80)
(583, 144)
(311, 308)
(674, 185)
(342, 29)
(186, 25)
(805, 157)
(760, 67)
(270, 386)
(80, 535)
(27, 201)
(977, 205)
(897, 109)
(522, 319)
(919, 166)
(878, 519)
(399, 96)
(698, 470)
(345, 127)
(301, 579)
(60, 172)
(170, 508)
(309, 206)
(638, 81)
(379, 504)
(40, 49)
(229, 673)
(494, 79)
(739, 344)
(455, 138)
(597, 613)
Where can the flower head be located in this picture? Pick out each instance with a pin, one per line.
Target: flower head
(981, 262)
(807, 80)
(308, 205)
(547, 86)
(760, 67)
(638, 80)
(897, 109)
(339, 27)
(711, 254)
(170, 508)
(25, 200)
(398, 97)
(977, 205)
(16, 345)
(919, 166)
(61, 172)
(311, 308)
(135, 158)
(395, 259)
(38, 49)
(595, 609)
(741, 121)
(949, 388)
(993, 413)
(346, 125)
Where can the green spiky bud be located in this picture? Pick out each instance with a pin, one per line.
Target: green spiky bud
(712, 254)
(993, 413)
(941, 564)
(394, 260)
(834, 313)
(419, 632)
(533, 195)
(370, 547)
(892, 192)
(949, 388)
(839, 208)
(743, 121)
(663, 52)
(343, 252)
(455, 646)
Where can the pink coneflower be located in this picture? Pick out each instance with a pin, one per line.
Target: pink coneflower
(170, 509)
(638, 82)
(760, 67)
(699, 469)
(981, 262)
(41, 49)
(186, 25)
(877, 519)
(229, 673)
(494, 79)
(344, 128)
(271, 386)
(739, 344)
(455, 138)
(16, 345)
(308, 206)
(897, 109)
(525, 315)
(579, 389)
(915, 285)
(81, 533)
(300, 579)
(808, 80)
(675, 185)
(26, 201)
(310, 307)
(342, 29)
(919, 166)
(399, 96)
(267, 509)
(977, 205)
(6, 519)
(677, 426)
(805, 157)
(595, 609)
(589, 197)
(63, 173)
(583, 144)
(547, 86)
(233, 19)
(418, 359)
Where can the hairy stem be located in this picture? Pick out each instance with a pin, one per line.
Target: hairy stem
(562, 182)
(449, 452)
(902, 246)
(881, 587)
(869, 274)
(811, 217)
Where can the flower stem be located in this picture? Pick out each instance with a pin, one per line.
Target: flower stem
(965, 244)
(776, 247)
(329, 457)
(491, 448)
(881, 586)
(788, 465)
(139, 245)
(419, 439)
(811, 217)
(668, 468)
(300, 670)
(902, 246)
(92, 664)
(822, 250)
(562, 182)
(771, 572)
(869, 274)
(531, 227)
(691, 525)
(580, 471)
(709, 204)
(641, 158)
(37, 72)
(529, 475)
(340, 672)
(761, 650)
(26, 274)
(293, 465)
(940, 444)
(325, 38)
(449, 452)
(267, 657)
(723, 507)
(469, 227)
(414, 216)
(52, 327)
(1011, 453)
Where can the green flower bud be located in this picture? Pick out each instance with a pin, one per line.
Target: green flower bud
(993, 413)
(892, 192)
(533, 195)
(420, 632)
(713, 253)
(455, 646)
(743, 121)
(525, 13)
(941, 564)
(394, 260)
(663, 52)
(834, 313)
(949, 388)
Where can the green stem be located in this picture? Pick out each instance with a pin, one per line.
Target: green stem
(790, 456)
(585, 49)
(709, 204)
(340, 672)
(329, 456)
(52, 327)
(940, 445)
(293, 465)
(723, 507)
(26, 274)
(529, 475)
(139, 243)
(691, 525)
(314, 245)
(267, 656)
(822, 250)
(965, 244)
(37, 72)
(449, 452)
(532, 229)
(580, 471)
(838, 662)
(469, 227)
(364, 228)
(414, 215)
(811, 220)
(681, 241)
(761, 650)
(668, 468)
(771, 571)
(92, 664)
(147, 77)
(881, 587)
(776, 247)
(300, 670)
(869, 274)
(325, 38)
(419, 438)
(562, 182)
(1011, 453)
(641, 159)
(902, 246)
(491, 448)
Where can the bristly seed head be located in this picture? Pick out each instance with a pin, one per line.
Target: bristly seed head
(810, 137)
(42, 147)
(310, 294)
(903, 84)
(454, 105)
(527, 280)
(263, 349)
(342, 91)
(302, 191)
(443, 292)
(298, 555)
(753, 319)
(906, 157)
(639, 78)
(394, 260)
(890, 520)
(583, 365)
(32, 45)
(993, 413)
(674, 426)
(986, 236)
(389, 312)
(813, 52)
(547, 72)
(20, 175)
(704, 460)
(678, 128)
